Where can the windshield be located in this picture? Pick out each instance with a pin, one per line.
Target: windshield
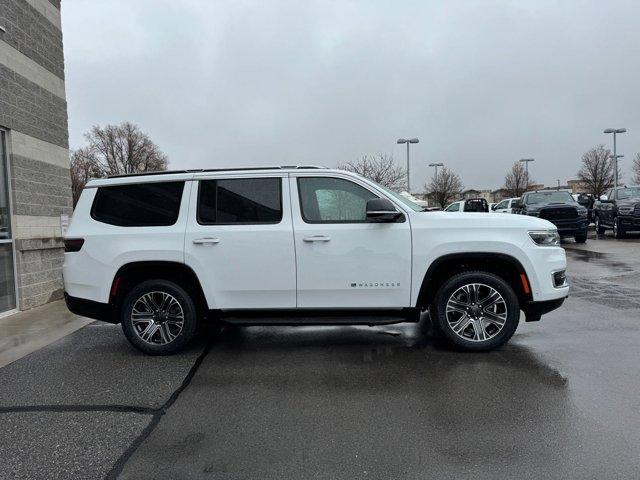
(630, 192)
(549, 197)
(405, 201)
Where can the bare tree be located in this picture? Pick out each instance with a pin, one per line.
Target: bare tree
(445, 187)
(83, 169)
(516, 181)
(636, 169)
(124, 148)
(596, 171)
(114, 150)
(379, 168)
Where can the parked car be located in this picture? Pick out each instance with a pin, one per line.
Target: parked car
(619, 209)
(587, 200)
(505, 206)
(559, 208)
(471, 205)
(160, 253)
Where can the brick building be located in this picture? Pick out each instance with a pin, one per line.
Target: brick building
(35, 188)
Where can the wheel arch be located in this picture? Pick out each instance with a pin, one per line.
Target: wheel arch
(133, 273)
(505, 266)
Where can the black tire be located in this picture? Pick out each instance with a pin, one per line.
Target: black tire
(581, 238)
(484, 279)
(155, 289)
(599, 228)
(618, 231)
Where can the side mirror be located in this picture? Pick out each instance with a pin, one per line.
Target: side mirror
(381, 210)
(493, 207)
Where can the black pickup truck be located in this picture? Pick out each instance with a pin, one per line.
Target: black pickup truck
(559, 208)
(619, 209)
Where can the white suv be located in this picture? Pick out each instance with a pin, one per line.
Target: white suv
(299, 245)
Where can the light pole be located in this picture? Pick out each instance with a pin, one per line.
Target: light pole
(615, 131)
(526, 163)
(436, 165)
(408, 141)
(615, 165)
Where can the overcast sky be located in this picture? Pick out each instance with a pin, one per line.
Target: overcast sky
(481, 84)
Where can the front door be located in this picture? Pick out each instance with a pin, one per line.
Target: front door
(239, 241)
(343, 261)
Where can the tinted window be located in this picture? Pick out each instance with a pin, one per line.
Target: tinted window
(240, 200)
(333, 200)
(139, 205)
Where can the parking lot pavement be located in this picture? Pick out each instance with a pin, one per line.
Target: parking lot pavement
(559, 401)
(74, 408)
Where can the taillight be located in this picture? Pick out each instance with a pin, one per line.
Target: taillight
(73, 244)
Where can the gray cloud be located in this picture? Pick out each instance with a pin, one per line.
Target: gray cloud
(252, 83)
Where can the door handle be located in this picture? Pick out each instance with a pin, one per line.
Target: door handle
(316, 238)
(206, 241)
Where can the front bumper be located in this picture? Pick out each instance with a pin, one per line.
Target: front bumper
(90, 308)
(534, 310)
(629, 222)
(569, 228)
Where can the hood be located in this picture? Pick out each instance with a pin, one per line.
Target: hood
(482, 220)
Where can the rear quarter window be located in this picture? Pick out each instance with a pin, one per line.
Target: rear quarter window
(138, 205)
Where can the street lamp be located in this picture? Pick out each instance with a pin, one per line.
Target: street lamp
(615, 165)
(526, 163)
(615, 131)
(436, 165)
(408, 141)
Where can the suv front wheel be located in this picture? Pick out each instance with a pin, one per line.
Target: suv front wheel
(158, 317)
(476, 310)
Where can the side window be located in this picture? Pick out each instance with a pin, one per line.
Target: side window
(332, 200)
(138, 205)
(454, 207)
(246, 201)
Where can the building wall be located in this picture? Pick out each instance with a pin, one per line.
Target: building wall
(33, 109)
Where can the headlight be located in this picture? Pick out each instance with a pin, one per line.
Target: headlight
(625, 210)
(545, 238)
(582, 213)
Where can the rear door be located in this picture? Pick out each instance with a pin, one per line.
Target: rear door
(239, 240)
(343, 261)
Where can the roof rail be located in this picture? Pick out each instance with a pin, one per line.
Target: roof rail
(199, 170)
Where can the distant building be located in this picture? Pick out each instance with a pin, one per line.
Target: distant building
(473, 193)
(499, 195)
(576, 186)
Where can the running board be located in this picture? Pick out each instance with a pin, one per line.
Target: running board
(319, 317)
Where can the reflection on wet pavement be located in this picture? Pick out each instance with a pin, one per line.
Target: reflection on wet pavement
(25, 332)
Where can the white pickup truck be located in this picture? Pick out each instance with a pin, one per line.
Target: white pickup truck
(299, 245)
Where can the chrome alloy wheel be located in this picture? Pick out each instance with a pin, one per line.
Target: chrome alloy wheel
(476, 312)
(157, 318)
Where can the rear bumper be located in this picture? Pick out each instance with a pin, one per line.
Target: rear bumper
(90, 308)
(534, 310)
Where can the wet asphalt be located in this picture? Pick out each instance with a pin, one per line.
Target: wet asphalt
(560, 400)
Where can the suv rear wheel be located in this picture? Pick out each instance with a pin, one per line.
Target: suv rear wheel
(158, 317)
(476, 311)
